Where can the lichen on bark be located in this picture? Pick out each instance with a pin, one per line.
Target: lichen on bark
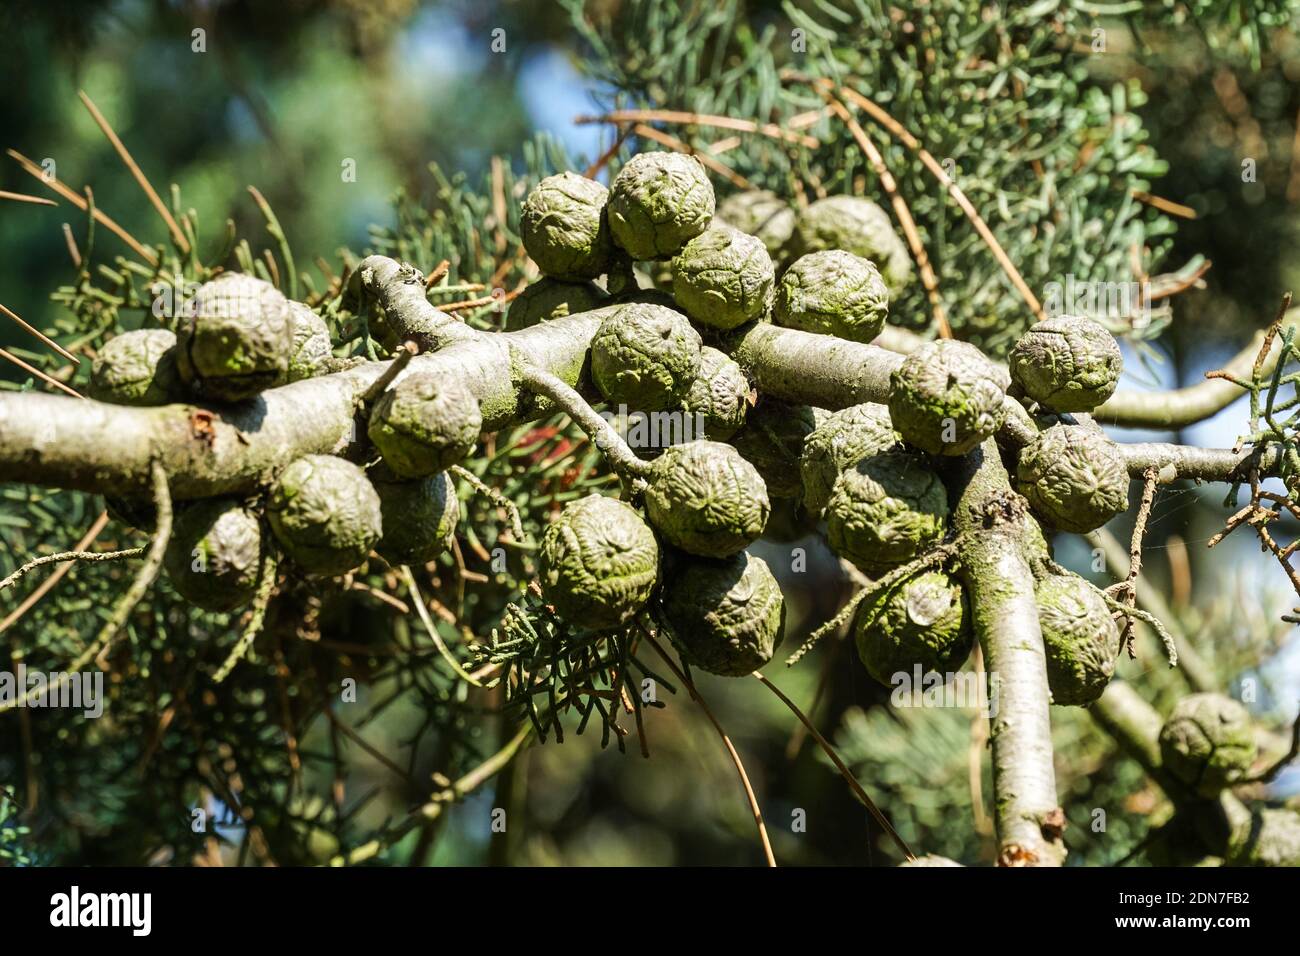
(1000, 545)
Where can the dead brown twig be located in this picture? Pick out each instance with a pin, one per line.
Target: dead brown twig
(847, 774)
(901, 210)
(1171, 284)
(1264, 507)
(438, 272)
(1164, 205)
(178, 236)
(900, 133)
(30, 330)
(1258, 516)
(603, 159)
(1128, 587)
(32, 370)
(726, 741)
(502, 298)
(101, 217)
(679, 117)
(23, 197)
(91, 534)
(677, 145)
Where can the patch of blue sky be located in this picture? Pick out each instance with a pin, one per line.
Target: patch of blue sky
(553, 93)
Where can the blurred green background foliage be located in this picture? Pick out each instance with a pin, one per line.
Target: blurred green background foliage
(1179, 101)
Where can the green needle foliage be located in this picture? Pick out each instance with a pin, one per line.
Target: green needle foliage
(263, 744)
(1009, 105)
(1274, 417)
(14, 837)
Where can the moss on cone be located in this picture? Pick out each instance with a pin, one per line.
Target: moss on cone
(214, 554)
(419, 518)
(326, 514)
(565, 229)
(706, 500)
(659, 202)
(1074, 477)
(857, 226)
(727, 615)
(548, 299)
(841, 440)
(599, 563)
(719, 395)
(235, 339)
(773, 441)
(1067, 363)
(312, 349)
(885, 511)
(833, 293)
(1208, 743)
(645, 357)
(923, 622)
(137, 368)
(723, 278)
(946, 397)
(759, 213)
(1080, 638)
(424, 424)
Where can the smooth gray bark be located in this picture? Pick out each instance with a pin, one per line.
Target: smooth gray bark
(212, 450)
(1001, 541)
